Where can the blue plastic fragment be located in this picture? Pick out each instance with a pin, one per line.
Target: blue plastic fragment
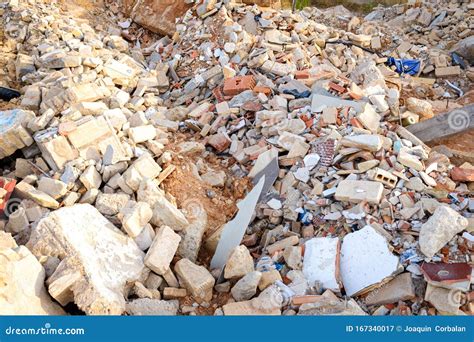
(297, 94)
(305, 217)
(405, 66)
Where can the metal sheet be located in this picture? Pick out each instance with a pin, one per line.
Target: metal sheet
(234, 230)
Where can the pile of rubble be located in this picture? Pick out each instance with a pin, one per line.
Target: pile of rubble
(254, 162)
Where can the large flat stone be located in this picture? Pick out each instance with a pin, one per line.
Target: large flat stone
(441, 227)
(22, 290)
(105, 259)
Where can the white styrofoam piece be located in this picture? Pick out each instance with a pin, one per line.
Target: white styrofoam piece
(320, 262)
(365, 260)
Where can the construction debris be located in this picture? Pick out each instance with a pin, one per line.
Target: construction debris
(250, 161)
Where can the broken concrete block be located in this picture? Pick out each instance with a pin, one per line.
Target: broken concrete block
(143, 168)
(53, 187)
(399, 288)
(141, 134)
(152, 307)
(420, 107)
(446, 301)
(329, 115)
(164, 212)
(13, 134)
(196, 279)
(193, 234)
(93, 247)
(146, 237)
(440, 228)
(134, 217)
(365, 260)
(174, 293)
(409, 160)
(293, 256)
(367, 142)
(382, 176)
(22, 278)
(246, 287)
(26, 190)
(56, 149)
(239, 264)
(369, 118)
(111, 204)
(357, 191)
(214, 178)
(91, 178)
(17, 221)
(162, 250)
(448, 71)
(268, 278)
(321, 262)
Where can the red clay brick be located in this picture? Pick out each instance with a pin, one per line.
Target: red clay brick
(337, 87)
(302, 74)
(235, 85)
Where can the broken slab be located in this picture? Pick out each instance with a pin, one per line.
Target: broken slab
(134, 217)
(357, 191)
(440, 228)
(22, 277)
(369, 142)
(321, 262)
(164, 212)
(318, 102)
(444, 300)
(398, 289)
(25, 190)
(162, 250)
(13, 132)
(246, 287)
(142, 169)
(93, 247)
(196, 279)
(152, 307)
(365, 261)
(239, 264)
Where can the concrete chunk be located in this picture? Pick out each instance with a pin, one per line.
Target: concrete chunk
(134, 217)
(367, 142)
(239, 264)
(441, 227)
(365, 260)
(321, 262)
(164, 212)
(94, 247)
(162, 250)
(400, 288)
(196, 279)
(357, 191)
(22, 277)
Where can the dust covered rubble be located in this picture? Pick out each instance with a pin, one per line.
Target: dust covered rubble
(356, 216)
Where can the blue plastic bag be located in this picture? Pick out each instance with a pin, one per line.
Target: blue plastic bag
(405, 66)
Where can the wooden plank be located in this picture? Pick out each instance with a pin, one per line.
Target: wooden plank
(443, 125)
